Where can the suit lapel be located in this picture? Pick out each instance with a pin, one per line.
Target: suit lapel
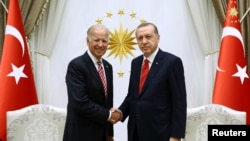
(137, 68)
(108, 77)
(93, 69)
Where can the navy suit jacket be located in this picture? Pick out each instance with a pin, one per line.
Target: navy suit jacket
(159, 111)
(87, 109)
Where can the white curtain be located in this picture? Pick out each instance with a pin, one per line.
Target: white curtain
(209, 32)
(188, 29)
(41, 44)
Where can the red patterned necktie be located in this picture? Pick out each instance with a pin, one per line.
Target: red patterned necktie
(144, 73)
(102, 76)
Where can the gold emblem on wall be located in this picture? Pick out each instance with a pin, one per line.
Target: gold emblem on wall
(122, 40)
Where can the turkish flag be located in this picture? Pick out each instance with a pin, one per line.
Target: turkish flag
(17, 87)
(232, 85)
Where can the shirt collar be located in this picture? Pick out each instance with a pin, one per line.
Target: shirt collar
(152, 56)
(92, 57)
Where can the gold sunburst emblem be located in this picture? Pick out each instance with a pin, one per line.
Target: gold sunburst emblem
(121, 43)
(122, 40)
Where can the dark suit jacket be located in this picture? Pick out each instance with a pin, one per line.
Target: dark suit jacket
(160, 110)
(87, 109)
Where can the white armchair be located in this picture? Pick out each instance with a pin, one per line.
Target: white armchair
(36, 123)
(199, 118)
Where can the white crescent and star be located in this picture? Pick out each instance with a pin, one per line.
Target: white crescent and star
(17, 72)
(241, 71)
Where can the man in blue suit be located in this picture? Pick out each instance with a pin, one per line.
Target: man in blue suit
(158, 111)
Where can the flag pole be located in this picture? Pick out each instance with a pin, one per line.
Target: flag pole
(245, 14)
(4, 6)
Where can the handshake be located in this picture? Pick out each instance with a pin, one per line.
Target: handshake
(116, 115)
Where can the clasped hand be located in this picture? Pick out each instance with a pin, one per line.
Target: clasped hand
(116, 115)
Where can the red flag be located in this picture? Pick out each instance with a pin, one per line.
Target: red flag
(17, 87)
(232, 84)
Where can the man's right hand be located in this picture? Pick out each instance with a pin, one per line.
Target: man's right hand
(116, 115)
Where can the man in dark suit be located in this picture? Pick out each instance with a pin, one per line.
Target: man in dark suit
(89, 117)
(158, 111)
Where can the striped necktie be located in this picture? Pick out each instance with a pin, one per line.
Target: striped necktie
(102, 76)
